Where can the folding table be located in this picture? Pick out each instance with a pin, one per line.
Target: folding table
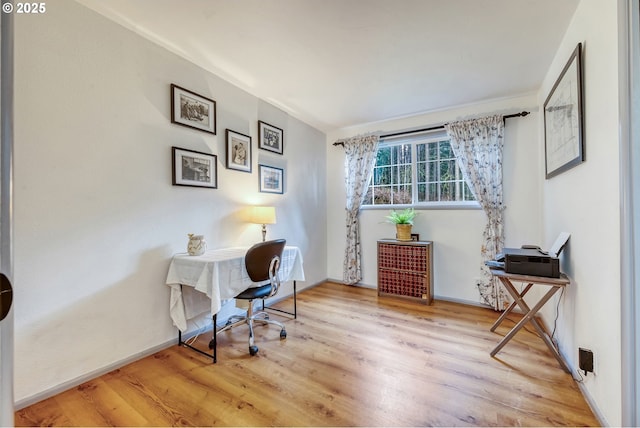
(555, 284)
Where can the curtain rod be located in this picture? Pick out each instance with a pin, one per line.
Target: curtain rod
(433, 128)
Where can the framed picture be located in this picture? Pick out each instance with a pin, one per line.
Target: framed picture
(271, 179)
(192, 110)
(270, 137)
(238, 151)
(563, 117)
(194, 169)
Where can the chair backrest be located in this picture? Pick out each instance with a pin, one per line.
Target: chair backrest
(259, 260)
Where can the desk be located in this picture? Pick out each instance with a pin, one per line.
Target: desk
(220, 275)
(555, 284)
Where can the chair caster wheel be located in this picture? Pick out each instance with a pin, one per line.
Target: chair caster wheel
(212, 344)
(253, 350)
(283, 334)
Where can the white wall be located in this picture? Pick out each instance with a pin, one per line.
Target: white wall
(585, 201)
(96, 217)
(457, 234)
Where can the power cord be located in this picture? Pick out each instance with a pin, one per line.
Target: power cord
(555, 321)
(580, 380)
(193, 339)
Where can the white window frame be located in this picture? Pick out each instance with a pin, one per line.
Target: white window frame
(395, 185)
(414, 140)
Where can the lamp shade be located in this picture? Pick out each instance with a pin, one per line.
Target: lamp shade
(263, 215)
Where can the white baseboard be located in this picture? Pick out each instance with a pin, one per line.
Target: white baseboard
(592, 403)
(359, 284)
(462, 301)
(436, 297)
(43, 395)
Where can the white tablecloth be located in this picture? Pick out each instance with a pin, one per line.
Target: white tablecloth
(219, 274)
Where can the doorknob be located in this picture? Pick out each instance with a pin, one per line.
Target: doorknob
(6, 296)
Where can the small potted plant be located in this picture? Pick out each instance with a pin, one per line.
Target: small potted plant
(403, 221)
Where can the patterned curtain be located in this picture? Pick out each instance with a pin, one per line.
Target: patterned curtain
(477, 145)
(359, 162)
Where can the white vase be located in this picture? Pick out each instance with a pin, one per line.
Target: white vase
(197, 245)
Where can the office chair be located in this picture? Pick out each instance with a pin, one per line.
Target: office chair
(262, 262)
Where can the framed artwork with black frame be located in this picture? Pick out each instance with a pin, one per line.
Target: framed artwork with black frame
(194, 169)
(238, 151)
(192, 110)
(271, 179)
(270, 138)
(563, 119)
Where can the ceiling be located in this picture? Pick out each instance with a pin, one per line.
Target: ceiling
(339, 63)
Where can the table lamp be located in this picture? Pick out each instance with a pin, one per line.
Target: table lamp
(263, 216)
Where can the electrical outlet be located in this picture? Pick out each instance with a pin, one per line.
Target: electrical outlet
(585, 360)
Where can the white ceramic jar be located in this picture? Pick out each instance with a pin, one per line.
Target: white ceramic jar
(197, 245)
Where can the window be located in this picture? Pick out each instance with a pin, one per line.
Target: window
(392, 176)
(418, 170)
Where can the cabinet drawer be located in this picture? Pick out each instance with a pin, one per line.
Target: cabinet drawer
(388, 256)
(412, 258)
(401, 283)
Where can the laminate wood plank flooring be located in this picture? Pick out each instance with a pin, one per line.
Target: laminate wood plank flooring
(350, 359)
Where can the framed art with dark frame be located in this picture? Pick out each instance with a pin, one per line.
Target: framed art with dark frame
(194, 169)
(271, 179)
(270, 138)
(192, 110)
(563, 119)
(238, 151)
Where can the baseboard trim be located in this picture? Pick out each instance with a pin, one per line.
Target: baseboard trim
(436, 297)
(48, 393)
(592, 404)
(358, 284)
(462, 302)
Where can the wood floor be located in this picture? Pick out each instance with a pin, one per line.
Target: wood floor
(350, 359)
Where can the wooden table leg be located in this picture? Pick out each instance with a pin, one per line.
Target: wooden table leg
(530, 316)
(510, 308)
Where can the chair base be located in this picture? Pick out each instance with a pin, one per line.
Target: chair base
(249, 319)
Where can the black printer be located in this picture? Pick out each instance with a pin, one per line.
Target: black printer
(531, 260)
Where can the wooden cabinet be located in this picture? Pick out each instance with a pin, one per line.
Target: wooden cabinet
(405, 269)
